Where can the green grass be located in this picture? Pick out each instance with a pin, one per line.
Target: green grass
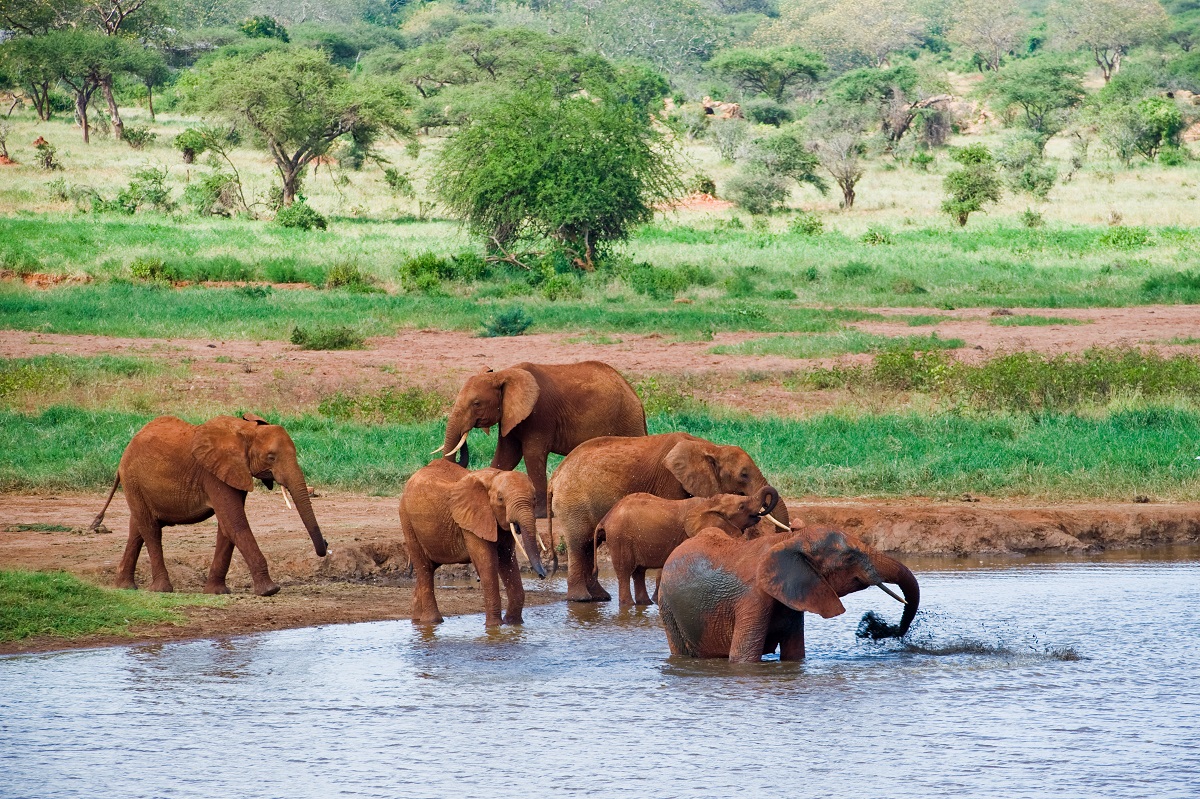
(58, 372)
(38, 527)
(840, 343)
(59, 604)
(1150, 450)
(1032, 320)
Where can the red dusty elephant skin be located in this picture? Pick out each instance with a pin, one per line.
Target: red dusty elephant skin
(744, 598)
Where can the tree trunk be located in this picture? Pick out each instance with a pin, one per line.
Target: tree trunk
(847, 195)
(289, 187)
(81, 104)
(150, 101)
(114, 113)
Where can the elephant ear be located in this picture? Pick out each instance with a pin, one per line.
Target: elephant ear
(789, 576)
(695, 467)
(251, 417)
(520, 395)
(471, 508)
(217, 447)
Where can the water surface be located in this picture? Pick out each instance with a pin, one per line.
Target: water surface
(1054, 679)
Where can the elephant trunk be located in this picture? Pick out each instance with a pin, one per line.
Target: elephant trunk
(778, 514)
(293, 482)
(893, 571)
(524, 527)
(456, 441)
(766, 499)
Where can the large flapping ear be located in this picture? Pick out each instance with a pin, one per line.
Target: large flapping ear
(471, 508)
(520, 395)
(695, 467)
(789, 576)
(708, 515)
(252, 417)
(217, 447)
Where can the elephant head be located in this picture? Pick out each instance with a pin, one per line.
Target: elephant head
(236, 451)
(491, 503)
(814, 569)
(489, 398)
(705, 469)
(732, 513)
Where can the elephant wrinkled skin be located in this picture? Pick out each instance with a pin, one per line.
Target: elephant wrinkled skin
(450, 515)
(601, 472)
(542, 409)
(744, 598)
(179, 473)
(642, 530)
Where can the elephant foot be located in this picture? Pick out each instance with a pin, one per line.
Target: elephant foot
(162, 586)
(492, 621)
(513, 618)
(266, 589)
(428, 621)
(579, 595)
(217, 588)
(126, 583)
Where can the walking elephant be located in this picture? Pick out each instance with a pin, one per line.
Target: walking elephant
(601, 472)
(450, 515)
(542, 409)
(179, 473)
(744, 598)
(642, 530)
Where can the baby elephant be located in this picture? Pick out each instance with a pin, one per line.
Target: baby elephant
(643, 529)
(450, 515)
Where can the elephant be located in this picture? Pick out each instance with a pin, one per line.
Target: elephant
(642, 530)
(600, 472)
(542, 409)
(179, 473)
(451, 515)
(743, 598)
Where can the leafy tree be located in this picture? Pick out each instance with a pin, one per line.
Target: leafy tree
(1026, 167)
(32, 64)
(1043, 89)
(896, 93)
(837, 134)
(297, 104)
(786, 154)
(991, 29)
(848, 33)
(772, 72)
(264, 27)
(580, 170)
(1108, 28)
(974, 184)
(673, 35)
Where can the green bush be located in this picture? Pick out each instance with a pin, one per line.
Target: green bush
(152, 270)
(806, 224)
(1176, 287)
(347, 275)
(1174, 155)
(300, 215)
(740, 284)
(138, 136)
(47, 155)
(700, 183)
(562, 287)
(213, 194)
(1032, 219)
(191, 143)
(877, 235)
(757, 193)
(389, 406)
(767, 112)
(424, 273)
(1125, 238)
(663, 283)
(327, 338)
(512, 322)
(852, 270)
(973, 185)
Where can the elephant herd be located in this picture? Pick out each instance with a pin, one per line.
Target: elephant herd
(736, 576)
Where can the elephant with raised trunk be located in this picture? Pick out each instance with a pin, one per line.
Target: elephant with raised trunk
(721, 597)
(642, 530)
(601, 472)
(450, 515)
(179, 473)
(542, 409)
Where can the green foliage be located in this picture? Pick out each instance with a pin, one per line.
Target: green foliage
(876, 236)
(806, 224)
(512, 322)
(773, 71)
(1175, 287)
(785, 154)
(1125, 238)
(213, 194)
(425, 272)
(1032, 219)
(300, 215)
(61, 605)
(387, 406)
(973, 184)
(756, 192)
(662, 283)
(580, 170)
(767, 112)
(400, 184)
(347, 275)
(49, 373)
(1043, 89)
(148, 188)
(263, 27)
(191, 143)
(138, 136)
(1161, 124)
(47, 155)
(701, 184)
(327, 338)
(1025, 166)
(151, 270)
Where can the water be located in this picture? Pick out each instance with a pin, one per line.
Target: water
(1066, 680)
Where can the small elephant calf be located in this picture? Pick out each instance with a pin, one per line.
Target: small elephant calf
(642, 530)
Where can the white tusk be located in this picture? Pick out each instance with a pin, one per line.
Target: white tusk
(286, 499)
(541, 546)
(450, 454)
(512, 526)
(778, 523)
(439, 449)
(892, 594)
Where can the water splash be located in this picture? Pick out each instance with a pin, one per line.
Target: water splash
(924, 637)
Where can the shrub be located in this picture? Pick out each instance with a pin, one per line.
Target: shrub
(922, 160)
(1125, 238)
(424, 272)
(255, 292)
(389, 406)
(757, 193)
(347, 275)
(663, 283)
(213, 194)
(810, 274)
(730, 137)
(1173, 155)
(191, 143)
(562, 287)
(973, 184)
(1032, 219)
(138, 136)
(1175, 287)
(148, 187)
(300, 215)
(740, 284)
(1026, 167)
(47, 155)
(512, 322)
(327, 338)
(400, 184)
(877, 235)
(58, 189)
(767, 112)
(152, 270)
(701, 184)
(263, 27)
(806, 224)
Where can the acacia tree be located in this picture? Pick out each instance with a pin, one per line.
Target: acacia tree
(896, 92)
(837, 132)
(989, 28)
(1043, 89)
(771, 72)
(1108, 28)
(296, 104)
(579, 170)
(31, 65)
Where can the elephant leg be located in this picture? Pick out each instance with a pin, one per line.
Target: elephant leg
(625, 573)
(159, 579)
(508, 453)
(133, 548)
(639, 586)
(487, 565)
(581, 560)
(230, 506)
(749, 636)
(424, 609)
(217, 572)
(535, 467)
(791, 642)
(510, 575)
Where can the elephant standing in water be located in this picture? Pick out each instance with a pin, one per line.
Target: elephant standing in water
(542, 409)
(601, 472)
(450, 515)
(744, 598)
(179, 473)
(642, 530)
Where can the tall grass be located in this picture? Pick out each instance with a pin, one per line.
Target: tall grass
(840, 343)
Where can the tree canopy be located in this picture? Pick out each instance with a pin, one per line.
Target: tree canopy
(771, 72)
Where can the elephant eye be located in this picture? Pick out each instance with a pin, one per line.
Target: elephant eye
(270, 456)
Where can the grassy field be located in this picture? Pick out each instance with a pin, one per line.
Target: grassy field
(61, 605)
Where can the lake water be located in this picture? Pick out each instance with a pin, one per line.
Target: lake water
(1053, 679)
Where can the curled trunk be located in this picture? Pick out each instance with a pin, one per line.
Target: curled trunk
(893, 571)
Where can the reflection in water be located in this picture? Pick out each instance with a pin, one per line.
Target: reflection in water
(1078, 679)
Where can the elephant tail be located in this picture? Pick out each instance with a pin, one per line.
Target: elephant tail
(599, 536)
(550, 527)
(95, 525)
